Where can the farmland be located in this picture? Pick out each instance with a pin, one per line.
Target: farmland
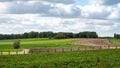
(7, 45)
(82, 59)
(76, 59)
(115, 41)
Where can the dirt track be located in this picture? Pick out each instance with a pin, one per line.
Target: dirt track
(23, 51)
(95, 42)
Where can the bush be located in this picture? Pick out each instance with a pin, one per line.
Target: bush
(16, 44)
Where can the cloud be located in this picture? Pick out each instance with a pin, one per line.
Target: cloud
(51, 1)
(59, 16)
(42, 8)
(115, 15)
(28, 7)
(3, 8)
(104, 2)
(95, 12)
(62, 1)
(30, 22)
(65, 11)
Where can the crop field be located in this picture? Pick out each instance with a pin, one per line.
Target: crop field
(115, 41)
(7, 45)
(82, 59)
(78, 59)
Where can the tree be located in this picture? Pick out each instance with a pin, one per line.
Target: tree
(88, 35)
(16, 44)
(50, 35)
(1, 36)
(76, 35)
(69, 35)
(25, 35)
(117, 36)
(60, 35)
(33, 34)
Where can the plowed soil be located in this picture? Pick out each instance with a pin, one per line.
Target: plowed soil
(95, 42)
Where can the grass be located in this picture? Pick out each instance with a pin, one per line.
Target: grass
(7, 45)
(115, 41)
(82, 59)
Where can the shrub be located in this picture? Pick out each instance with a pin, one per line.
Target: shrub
(16, 44)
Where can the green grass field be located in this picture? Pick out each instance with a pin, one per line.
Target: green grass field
(82, 59)
(115, 41)
(7, 45)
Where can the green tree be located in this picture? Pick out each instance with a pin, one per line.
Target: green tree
(117, 36)
(25, 35)
(1, 36)
(33, 34)
(88, 34)
(59, 35)
(16, 44)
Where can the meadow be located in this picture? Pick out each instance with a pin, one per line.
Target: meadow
(7, 45)
(115, 41)
(81, 59)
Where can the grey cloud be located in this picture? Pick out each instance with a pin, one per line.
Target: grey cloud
(52, 1)
(44, 9)
(25, 8)
(110, 2)
(62, 1)
(105, 2)
(68, 23)
(99, 15)
(56, 12)
(102, 23)
(5, 20)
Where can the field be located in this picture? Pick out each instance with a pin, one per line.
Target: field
(115, 41)
(7, 45)
(78, 59)
(82, 59)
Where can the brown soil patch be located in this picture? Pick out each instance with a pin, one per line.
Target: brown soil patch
(95, 42)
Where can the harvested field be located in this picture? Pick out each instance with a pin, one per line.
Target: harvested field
(95, 42)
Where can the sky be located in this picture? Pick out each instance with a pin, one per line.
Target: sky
(19, 16)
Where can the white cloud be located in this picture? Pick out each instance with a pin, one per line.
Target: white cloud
(95, 12)
(3, 8)
(28, 22)
(114, 15)
(59, 16)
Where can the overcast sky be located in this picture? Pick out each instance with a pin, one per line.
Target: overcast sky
(19, 16)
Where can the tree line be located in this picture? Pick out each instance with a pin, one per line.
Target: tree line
(50, 35)
(117, 36)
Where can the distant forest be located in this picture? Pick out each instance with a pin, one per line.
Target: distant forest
(50, 35)
(117, 36)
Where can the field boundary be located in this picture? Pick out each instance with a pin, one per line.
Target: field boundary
(47, 50)
(50, 50)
